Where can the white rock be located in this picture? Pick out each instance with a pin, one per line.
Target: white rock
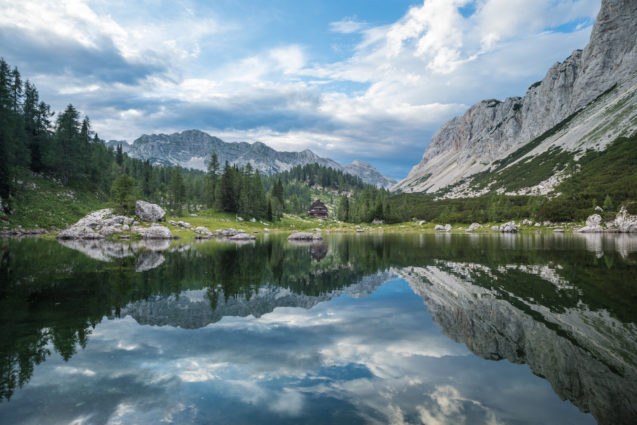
(625, 222)
(474, 227)
(439, 227)
(155, 232)
(447, 227)
(149, 212)
(509, 227)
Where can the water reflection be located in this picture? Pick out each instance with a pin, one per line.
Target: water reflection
(285, 333)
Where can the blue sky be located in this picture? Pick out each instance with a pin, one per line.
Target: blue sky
(362, 79)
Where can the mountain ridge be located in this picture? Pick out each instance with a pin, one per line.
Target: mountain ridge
(193, 148)
(492, 130)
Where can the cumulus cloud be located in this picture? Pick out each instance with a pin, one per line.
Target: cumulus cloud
(149, 72)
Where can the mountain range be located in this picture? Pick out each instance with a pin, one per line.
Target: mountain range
(193, 148)
(585, 102)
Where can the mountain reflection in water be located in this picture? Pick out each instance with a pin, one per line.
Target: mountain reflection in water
(335, 332)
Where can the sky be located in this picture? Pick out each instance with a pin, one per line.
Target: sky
(358, 79)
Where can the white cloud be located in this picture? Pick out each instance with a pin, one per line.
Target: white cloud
(409, 76)
(347, 26)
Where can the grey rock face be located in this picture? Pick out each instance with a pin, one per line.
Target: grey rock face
(368, 174)
(193, 148)
(492, 129)
(96, 225)
(149, 212)
(625, 222)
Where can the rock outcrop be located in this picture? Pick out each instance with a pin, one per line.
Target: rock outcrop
(96, 225)
(493, 129)
(149, 212)
(623, 223)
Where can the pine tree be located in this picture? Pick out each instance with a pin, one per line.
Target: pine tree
(123, 194)
(213, 170)
(177, 190)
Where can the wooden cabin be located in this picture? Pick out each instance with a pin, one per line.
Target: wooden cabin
(317, 210)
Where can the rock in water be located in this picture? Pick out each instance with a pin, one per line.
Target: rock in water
(149, 212)
(509, 227)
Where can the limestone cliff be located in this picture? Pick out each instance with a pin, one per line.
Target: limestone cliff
(569, 94)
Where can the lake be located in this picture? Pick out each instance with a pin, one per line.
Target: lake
(369, 329)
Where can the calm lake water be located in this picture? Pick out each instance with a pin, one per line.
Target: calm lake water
(370, 329)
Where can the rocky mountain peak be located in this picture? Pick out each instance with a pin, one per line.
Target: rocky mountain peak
(493, 129)
(193, 148)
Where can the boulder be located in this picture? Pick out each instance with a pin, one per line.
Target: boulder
(625, 222)
(527, 222)
(439, 227)
(149, 212)
(447, 227)
(599, 209)
(558, 230)
(226, 232)
(184, 225)
(203, 231)
(95, 225)
(474, 227)
(593, 225)
(155, 232)
(509, 227)
(304, 236)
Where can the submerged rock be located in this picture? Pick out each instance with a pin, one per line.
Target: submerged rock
(149, 212)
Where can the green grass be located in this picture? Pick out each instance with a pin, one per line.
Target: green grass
(46, 204)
